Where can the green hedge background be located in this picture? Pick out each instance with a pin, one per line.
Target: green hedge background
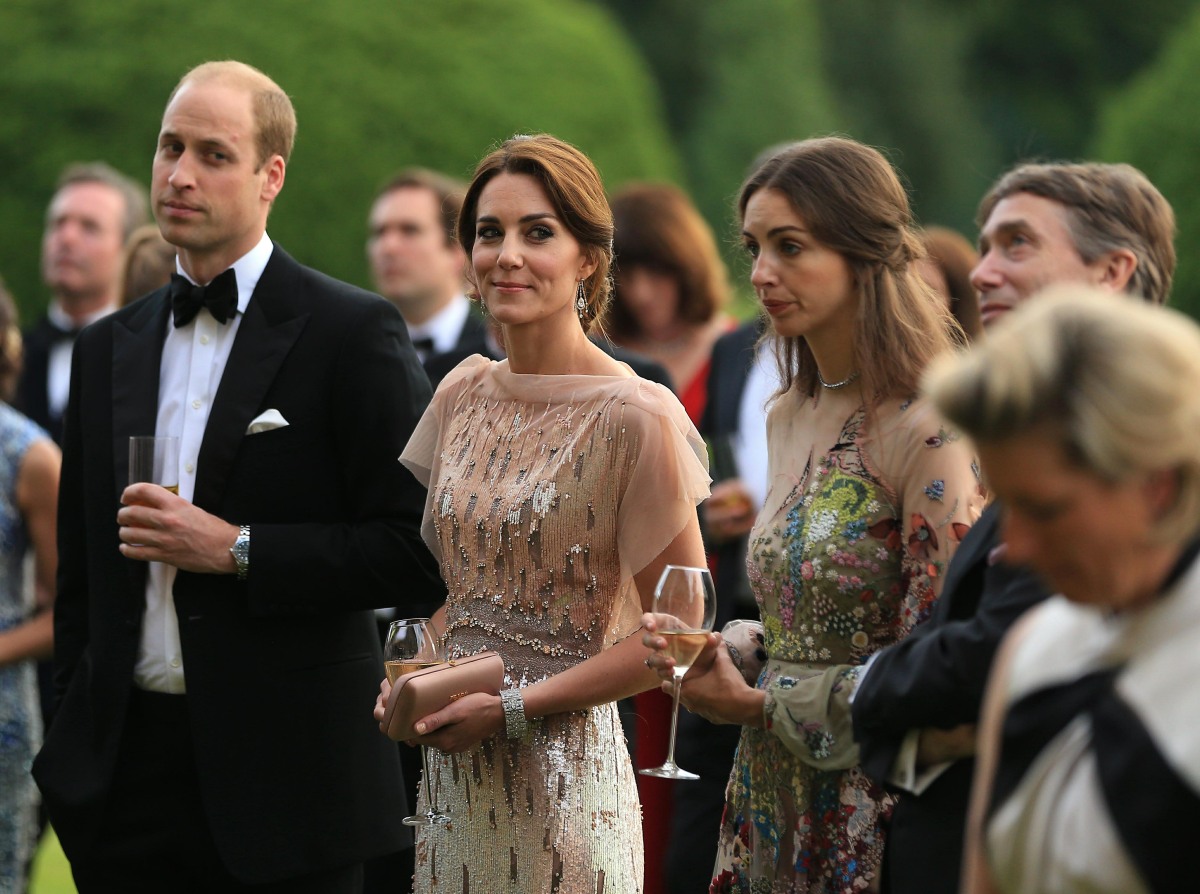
(683, 90)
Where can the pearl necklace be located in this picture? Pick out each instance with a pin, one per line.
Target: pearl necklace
(834, 386)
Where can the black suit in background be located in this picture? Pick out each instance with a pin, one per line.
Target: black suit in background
(32, 397)
(473, 335)
(283, 668)
(703, 747)
(936, 677)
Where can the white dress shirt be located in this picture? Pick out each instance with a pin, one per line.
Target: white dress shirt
(58, 362)
(749, 443)
(444, 327)
(193, 361)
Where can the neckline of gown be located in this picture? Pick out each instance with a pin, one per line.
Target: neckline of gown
(558, 388)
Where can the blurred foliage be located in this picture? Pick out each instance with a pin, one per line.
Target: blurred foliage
(954, 91)
(728, 90)
(1040, 70)
(377, 84)
(900, 71)
(1149, 126)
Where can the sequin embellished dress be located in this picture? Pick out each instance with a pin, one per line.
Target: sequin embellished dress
(844, 559)
(20, 714)
(546, 495)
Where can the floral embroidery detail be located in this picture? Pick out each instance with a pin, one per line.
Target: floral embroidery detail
(922, 539)
(819, 741)
(839, 570)
(944, 436)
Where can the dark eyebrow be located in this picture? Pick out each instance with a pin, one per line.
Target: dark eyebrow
(775, 231)
(537, 215)
(1012, 226)
(204, 144)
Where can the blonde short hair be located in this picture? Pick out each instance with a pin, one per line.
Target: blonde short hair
(1115, 381)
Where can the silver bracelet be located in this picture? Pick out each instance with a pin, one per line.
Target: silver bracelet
(516, 724)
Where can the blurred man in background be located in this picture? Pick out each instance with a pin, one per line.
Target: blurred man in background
(92, 213)
(917, 702)
(417, 263)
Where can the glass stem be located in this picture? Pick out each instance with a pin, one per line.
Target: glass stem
(430, 800)
(676, 681)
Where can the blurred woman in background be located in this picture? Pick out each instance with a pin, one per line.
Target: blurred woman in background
(947, 267)
(29, 467)
(671, 287)
(149, 263)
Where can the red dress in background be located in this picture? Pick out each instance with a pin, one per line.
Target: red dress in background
(653, 709)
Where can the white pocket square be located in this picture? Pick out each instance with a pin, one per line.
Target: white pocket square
(267, 421)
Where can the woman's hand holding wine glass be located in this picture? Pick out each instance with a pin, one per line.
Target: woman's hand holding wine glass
(685, 606)
(412, 645)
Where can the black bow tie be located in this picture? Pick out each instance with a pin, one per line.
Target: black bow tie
(59, 333)
(423, 346)
(219, 296)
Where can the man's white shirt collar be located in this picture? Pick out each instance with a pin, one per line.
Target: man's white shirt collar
(445, 326)
(248, 269)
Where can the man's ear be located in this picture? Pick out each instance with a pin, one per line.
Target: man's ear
(1116, 268)
(1162, 489)
(276, 169)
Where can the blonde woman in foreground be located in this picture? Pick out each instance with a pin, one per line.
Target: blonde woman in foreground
(1086, 412)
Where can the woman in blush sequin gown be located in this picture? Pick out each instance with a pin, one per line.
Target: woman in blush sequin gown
(868, 497)
(559, 487)
(29, 468)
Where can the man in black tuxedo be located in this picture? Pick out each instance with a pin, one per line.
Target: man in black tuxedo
(418, 264)
(216, 658)
(917, 702)
(92, 213)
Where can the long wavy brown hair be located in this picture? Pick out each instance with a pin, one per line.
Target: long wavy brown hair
(852, 201)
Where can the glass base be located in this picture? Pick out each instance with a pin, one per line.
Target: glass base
(669, 770)
(427, 819)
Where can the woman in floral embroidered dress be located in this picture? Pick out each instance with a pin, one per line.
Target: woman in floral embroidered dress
(869, 495)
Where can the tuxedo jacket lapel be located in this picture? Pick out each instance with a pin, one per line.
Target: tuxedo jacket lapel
(266, 333)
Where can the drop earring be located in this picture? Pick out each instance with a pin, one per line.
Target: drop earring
(580, 302)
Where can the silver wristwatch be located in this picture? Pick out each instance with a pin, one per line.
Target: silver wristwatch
(241, 552)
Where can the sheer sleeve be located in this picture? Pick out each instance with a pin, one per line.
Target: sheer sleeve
(933, 477)
(422, 452)
(668, 479)
(663, 485)
(937, 486)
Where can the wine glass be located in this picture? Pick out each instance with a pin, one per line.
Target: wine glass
(686, 604)
(412, 645)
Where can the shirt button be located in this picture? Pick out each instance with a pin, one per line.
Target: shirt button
(195, 405)
(175, 662)
(190, 468)
(204, 339)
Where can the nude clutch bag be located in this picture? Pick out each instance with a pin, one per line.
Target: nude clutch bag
(419, 694)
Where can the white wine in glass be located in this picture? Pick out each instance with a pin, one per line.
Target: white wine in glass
(685, 602)
(413, 645)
